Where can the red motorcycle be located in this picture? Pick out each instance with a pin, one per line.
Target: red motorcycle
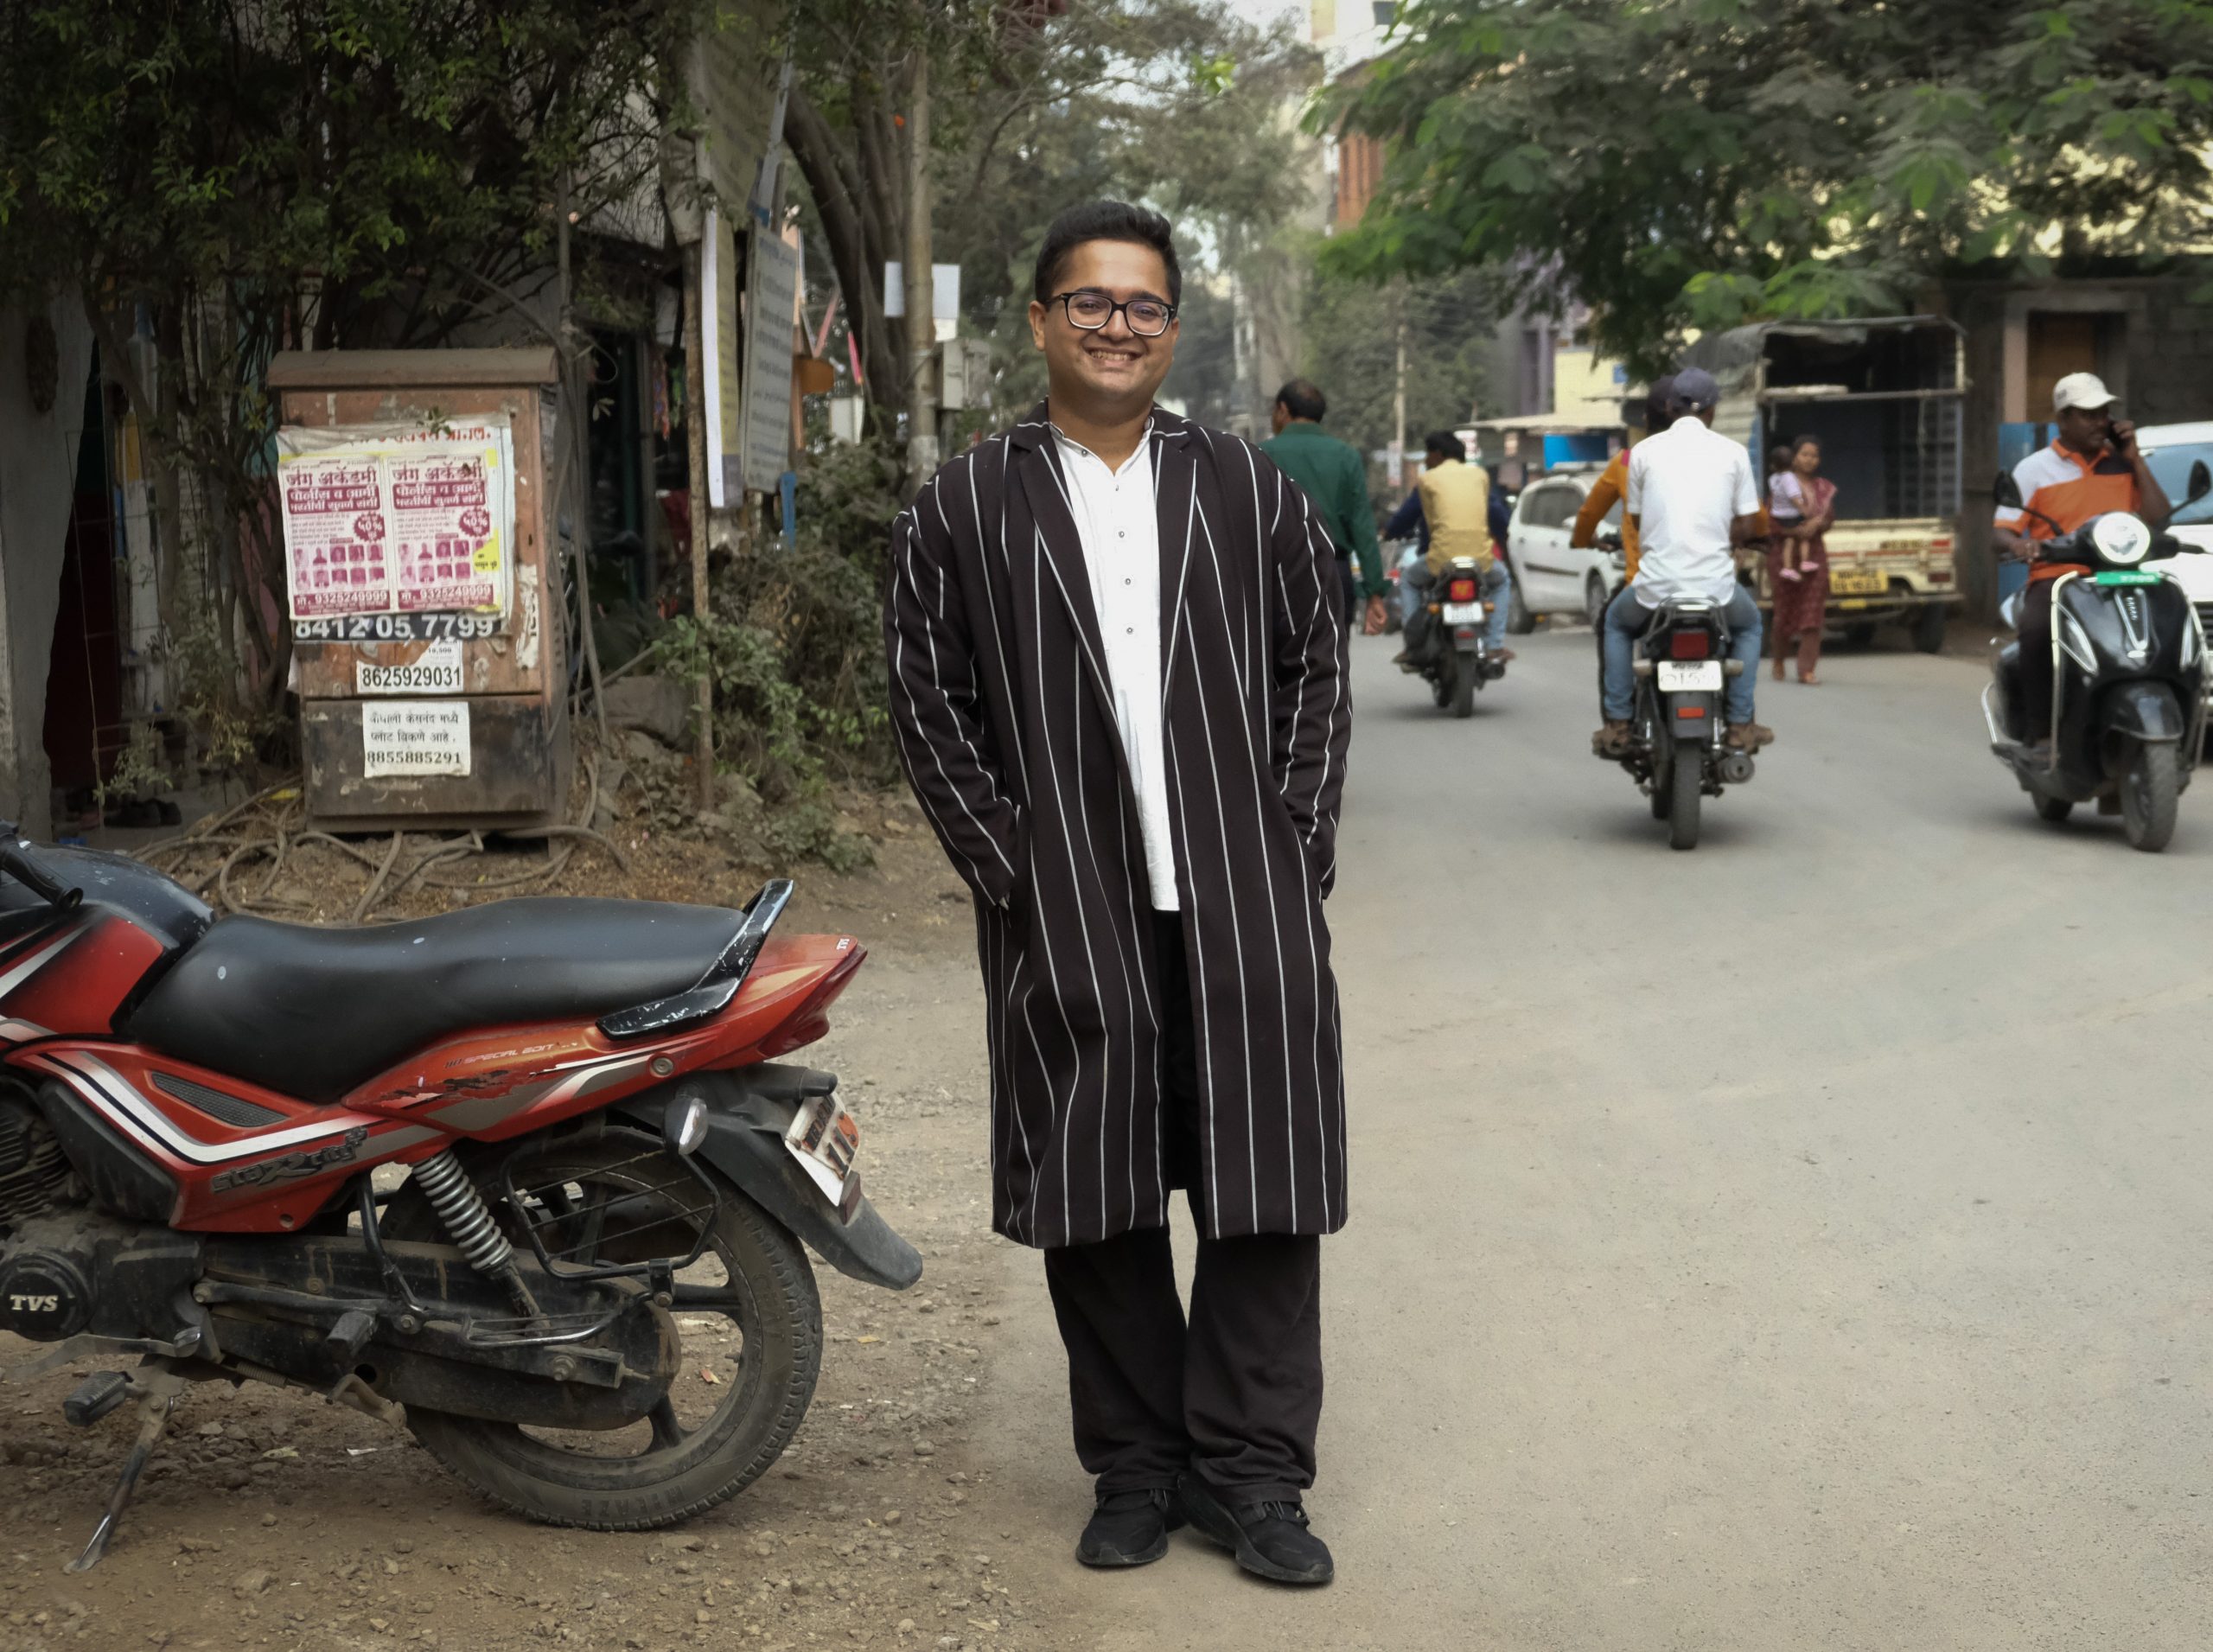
(586, 1294)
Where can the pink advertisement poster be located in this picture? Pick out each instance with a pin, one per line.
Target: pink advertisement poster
(395, 520)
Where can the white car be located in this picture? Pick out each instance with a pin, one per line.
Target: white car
(2170, 449)
(1548, 577)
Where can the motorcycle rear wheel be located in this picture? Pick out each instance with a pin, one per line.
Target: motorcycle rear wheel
(1687, 783)
(702, 1444)
(2148, 793)
(1465, 675)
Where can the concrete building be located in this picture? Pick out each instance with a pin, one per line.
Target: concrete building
(2146, 336)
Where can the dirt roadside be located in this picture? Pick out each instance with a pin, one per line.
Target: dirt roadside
(269, 1519)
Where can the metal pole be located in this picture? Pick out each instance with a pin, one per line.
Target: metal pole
(921, 331)
(696, 368)
(1396, 470)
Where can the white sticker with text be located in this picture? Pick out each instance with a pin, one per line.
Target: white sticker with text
(437, 670)
(415, 737)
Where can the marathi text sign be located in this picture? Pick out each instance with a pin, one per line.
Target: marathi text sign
(394, 519)
(414, 738)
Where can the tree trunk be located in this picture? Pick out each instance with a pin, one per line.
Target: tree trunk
(858, 262)
(922, 335)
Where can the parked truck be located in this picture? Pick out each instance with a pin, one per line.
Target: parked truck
(1884, 399)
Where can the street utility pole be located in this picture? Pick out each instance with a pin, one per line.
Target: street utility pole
(1397, 470)
(922, 330)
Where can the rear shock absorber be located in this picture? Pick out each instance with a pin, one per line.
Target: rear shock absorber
(467, 1217)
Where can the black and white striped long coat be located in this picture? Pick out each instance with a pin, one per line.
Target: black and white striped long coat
(1006, 725)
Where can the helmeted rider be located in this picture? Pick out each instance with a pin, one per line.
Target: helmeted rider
(1692, 498)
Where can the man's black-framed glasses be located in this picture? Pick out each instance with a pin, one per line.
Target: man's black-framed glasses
(1148, 317)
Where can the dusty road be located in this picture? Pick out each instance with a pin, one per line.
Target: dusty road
(1803, 1242)
(1796, 1244)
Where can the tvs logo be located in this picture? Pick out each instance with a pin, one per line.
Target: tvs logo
(35, 1305)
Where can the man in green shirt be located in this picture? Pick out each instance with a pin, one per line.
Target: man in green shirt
(1332, 474)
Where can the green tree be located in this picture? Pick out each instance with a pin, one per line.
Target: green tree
(1035, 108)
(1683, 163)
(1352, 345)
(241, 176)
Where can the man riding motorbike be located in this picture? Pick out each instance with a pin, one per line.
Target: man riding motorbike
(1454, 501)
(2092, 469)
(1691, 498)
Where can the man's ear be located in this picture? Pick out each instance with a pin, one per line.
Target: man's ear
(1037, 324)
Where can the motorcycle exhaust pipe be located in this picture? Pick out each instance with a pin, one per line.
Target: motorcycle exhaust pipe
(1736, 767)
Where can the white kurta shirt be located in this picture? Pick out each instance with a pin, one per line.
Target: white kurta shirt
(1115, 518)
(1687, 486)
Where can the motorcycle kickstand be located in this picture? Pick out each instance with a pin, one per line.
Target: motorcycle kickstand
(157, 1390)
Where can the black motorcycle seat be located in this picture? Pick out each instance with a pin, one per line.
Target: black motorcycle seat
(311, 1013)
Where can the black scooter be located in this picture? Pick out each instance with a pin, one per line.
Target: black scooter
(2128, 677)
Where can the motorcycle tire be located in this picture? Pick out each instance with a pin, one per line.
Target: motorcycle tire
(1519, 619)
(1594, 598)
(767, 1290)
(1465, 677)
(2054, 809)
(1686, 784)
(2149, 789)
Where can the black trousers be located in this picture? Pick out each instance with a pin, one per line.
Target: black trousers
(1234, 1393)
(2035, 632)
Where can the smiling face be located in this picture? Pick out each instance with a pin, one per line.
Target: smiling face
(1110, 374)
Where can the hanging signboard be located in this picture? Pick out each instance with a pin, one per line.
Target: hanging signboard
(772, 279)
(398, 518)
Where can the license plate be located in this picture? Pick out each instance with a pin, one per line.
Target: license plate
(1676, 678)
(823, 1137)
(1463, 613)
(1858, 582)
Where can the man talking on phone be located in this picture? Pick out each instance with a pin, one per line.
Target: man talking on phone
(2092, 469)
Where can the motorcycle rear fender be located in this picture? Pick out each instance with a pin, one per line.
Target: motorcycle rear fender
(2146, 711)
(1692, 730)
(748, 1112)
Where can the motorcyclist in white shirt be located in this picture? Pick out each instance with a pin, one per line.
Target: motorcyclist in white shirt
(1693, 499)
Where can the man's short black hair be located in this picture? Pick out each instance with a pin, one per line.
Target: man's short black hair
(1445, 445)
(1303, 399)
(1104, 220)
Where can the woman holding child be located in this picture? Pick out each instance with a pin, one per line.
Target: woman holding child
(1801, 508)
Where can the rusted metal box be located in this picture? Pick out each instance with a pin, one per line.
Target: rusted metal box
(423, 575)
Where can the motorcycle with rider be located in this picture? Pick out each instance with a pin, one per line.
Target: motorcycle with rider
(1454, 598)
(1679, 645)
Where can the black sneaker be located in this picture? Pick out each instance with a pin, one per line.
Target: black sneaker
(1129, 1528)
(1269, 1539)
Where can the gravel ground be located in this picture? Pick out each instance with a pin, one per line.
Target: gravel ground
(269, 1519)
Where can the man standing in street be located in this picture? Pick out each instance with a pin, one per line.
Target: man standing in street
(1118, 685)
(1692, 499)
(1333, 475)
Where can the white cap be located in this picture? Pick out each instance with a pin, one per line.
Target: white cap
(2083, 390)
